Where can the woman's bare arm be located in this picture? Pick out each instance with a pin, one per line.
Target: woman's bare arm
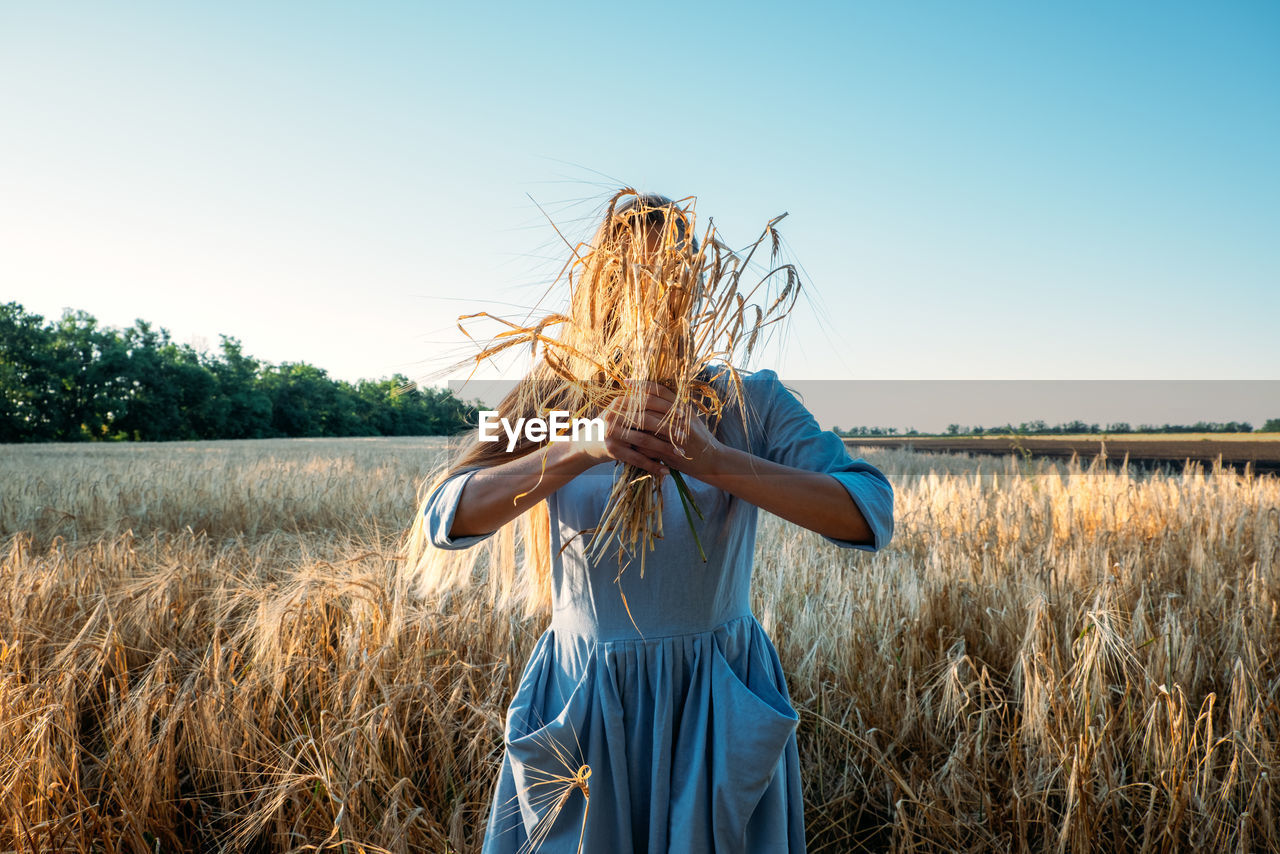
(811, 499)
(496, 495)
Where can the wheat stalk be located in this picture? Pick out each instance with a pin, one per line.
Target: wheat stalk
(649, 302)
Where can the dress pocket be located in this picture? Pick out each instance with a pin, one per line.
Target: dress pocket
(548, 757)
(753, 723)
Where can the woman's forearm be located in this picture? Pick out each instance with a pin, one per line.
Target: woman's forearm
(496, 495)
(813, 500)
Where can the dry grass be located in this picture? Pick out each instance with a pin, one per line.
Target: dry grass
(1039, 662)
(247, 487)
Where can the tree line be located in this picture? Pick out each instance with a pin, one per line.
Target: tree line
(73, 380)
(1040, 428)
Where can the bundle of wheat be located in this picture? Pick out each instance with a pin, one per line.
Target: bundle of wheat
(648, 301)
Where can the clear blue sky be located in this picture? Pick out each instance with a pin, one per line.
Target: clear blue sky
(976, 190)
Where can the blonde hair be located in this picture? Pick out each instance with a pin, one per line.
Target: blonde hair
(645, 301)
(555, 381)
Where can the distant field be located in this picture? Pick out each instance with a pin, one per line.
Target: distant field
(1109, 437)
(1262, 451)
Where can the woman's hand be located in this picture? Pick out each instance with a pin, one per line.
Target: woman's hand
(650, 444)
(696, 450)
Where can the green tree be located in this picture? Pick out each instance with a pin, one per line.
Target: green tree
(166, 391)
(301, 398)
(86, 360)
(244, 406)
(74, 380)
(29, 377)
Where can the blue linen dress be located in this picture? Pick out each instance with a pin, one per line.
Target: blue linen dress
(685, 724)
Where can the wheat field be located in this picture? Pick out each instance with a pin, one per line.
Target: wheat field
(207, 647)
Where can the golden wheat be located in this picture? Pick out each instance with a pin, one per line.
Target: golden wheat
(647, 302)
(207, 646)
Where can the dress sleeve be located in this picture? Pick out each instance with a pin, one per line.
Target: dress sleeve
(790, 435)
(441, 506)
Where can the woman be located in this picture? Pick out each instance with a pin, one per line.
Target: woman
(653, 715)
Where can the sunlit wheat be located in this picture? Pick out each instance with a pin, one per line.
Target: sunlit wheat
(208, 647)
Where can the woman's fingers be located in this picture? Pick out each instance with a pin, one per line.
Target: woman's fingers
(653, 423)
(648, 444)
(637, 427)
(625, 452)
(659, 425)
(643, 401)
(665, 426)
(643, 412)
